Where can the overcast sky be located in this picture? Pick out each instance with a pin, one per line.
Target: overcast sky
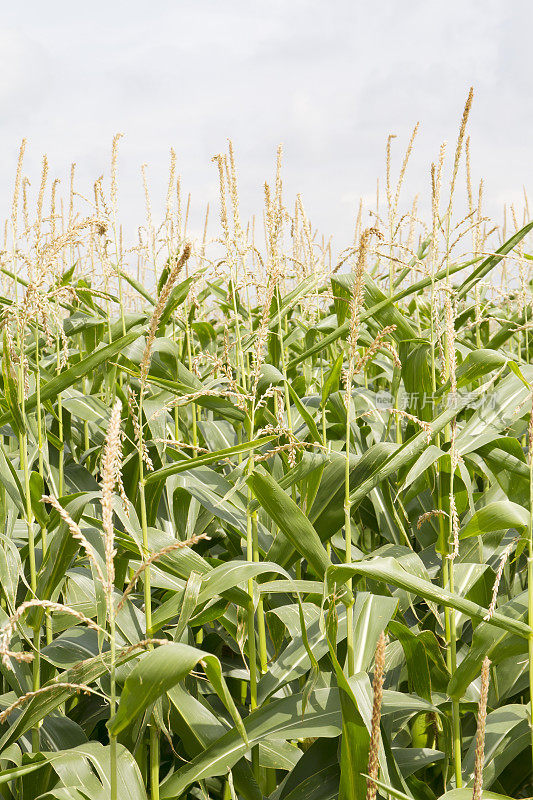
(330, 80)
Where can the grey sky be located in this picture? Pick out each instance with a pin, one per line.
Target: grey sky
(330, 80)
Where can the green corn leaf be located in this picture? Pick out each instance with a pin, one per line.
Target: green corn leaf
(157, 672)
(290, 519)
(388, 570)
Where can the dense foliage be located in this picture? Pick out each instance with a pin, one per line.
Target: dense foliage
(265, 512)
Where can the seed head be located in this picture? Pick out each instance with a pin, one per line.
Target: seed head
(158, 310)
(481, 725)
(111, 464)
(377, 688)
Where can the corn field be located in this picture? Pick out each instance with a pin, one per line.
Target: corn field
(266, 508)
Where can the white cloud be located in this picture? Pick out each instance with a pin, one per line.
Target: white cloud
(328, 80)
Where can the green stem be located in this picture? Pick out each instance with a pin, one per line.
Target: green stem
(146, 553)
(456, 713)
(261, 626)
(251, 550)
(154, 734)
(252, 654)
(112, 705)
(60, 419)
(44, 543)
(154, 761)
(348, 536)
(193, 405)
(36, 667)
